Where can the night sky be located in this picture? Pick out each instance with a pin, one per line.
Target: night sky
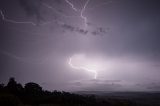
(77, 45)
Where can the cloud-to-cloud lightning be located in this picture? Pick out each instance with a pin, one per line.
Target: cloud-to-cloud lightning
(14, 21)
(60, 13)
(82, 11)
(82, 68)
(27, 22)
(72, 5)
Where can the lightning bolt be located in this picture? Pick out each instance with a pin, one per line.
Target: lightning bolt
(72, 5)
(28, 22)
(49, 22)
(82, 68)
(52, 8)
(14, 21)
(82, 12)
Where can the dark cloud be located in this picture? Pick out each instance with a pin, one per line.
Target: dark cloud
(68, 27)
(74, 29)
(100, 31)
(82, 31)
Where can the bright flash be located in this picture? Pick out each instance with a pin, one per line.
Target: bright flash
(82, 68)
(80, 62)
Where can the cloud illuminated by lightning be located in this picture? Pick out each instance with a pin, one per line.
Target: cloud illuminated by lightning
(82, 68)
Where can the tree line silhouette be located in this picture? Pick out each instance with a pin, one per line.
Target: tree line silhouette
(32, 94)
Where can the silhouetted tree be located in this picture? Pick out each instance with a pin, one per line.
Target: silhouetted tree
(1, 86)
(32, 88)
(11, 86)
(14, 87)
(12, 83)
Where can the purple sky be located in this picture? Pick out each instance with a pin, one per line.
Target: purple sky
(119, 39)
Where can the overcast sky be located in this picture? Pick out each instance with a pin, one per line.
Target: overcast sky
(118, 39)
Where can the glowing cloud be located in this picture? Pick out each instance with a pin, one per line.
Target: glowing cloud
(90, 64)
(82, 68)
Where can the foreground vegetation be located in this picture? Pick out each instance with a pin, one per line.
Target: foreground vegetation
(32, 94)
